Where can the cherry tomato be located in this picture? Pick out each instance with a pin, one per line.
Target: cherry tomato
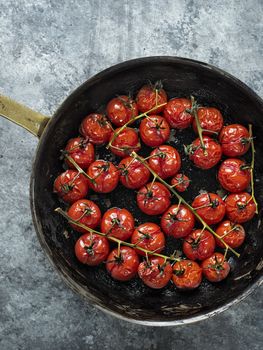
(234, 175)
(240, 207)
(155, 273)
(126, 142)
(210, 119)
(150, 96)
(205, 158)
(91, 249)
(133, 173)
(176, 114)
(118, 223)
(81, 151)
(96, 128)
(215, 268)
(153, 198)
(71, 186)
(199, 245)
(187, 274)
(154, 130)
(235, 140)
(210, 207)
(180, 182)
(165, 161)
(105, 176)
(177, 221)
(148, 236)
(123, 266)
(121, 109)
(231, 233)
(84, 212)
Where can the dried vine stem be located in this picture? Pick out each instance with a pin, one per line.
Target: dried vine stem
(198, 126)
(252, 167)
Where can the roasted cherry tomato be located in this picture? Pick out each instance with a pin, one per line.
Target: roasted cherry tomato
(121, 109)
(210, 119)
(153, 198)
(96, 128)
(165, 161)
(240, 207)
(175, 112)
(205, 158)
(122, 266)
(91, 249)
(210, 207)
(177, 221)
(187, 274)
(234, 175)
(155, 273)
(154, 130)
(133, 174)
(118, 223)
(150, 96)
(180, 182)
(126, 142)
(71, 186)
(85, 212)
(148, 236)
(235, 140)
(81, 151)
(231, 233)
(199, 245)
(215, 268)
(105, 176)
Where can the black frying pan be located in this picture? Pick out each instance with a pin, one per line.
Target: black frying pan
(132, 300)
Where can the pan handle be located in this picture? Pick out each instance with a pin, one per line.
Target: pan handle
(21, 115)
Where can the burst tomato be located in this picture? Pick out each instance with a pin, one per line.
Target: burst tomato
(133, 173)
(187, 274)
(235, 140)
(148, 236)
(150, 96)
(240, 207)
(210, 207)
(81, 151)
(210, 119)
(199, 245)
(165, 161)
(126, 142)
(180, 182)
(215, 268)
(96, 128)
(118, 223)
(121, 109)
(154, 130)
(231, 233)
(105, 176)
(155, 273)
(176, 113)
(153, 198)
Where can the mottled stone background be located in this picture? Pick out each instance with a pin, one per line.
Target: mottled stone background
(50, 47)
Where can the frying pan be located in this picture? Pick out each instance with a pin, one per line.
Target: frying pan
(132, 300)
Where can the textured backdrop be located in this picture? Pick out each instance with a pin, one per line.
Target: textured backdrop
(50, 47)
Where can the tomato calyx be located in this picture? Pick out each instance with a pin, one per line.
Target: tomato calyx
(102, 120)
(89, 248)
(241, 205)
(66, 188)
(179, 272)
(104, 167)
(194, 242)
(145, 235)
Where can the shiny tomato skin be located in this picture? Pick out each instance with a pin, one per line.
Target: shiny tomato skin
(154, 130)
(199, 245)
(232, 234)
(232, 177)
(150, 96)
(121, 109)
(176, 115)
(215, 269)
(123, 267)
(208, 159)
(165, 161)
(235, 140)
(210, 119)
(96, 128)
(105, 175)
(126, 142)
(117, 222)
(92, 249)
(153, 199)
(148, 236)
(177, 221)
(240, 207)
(213, 209)
(133, 173)
(81, 151)
(156, 273)
(70, 186)
(187, 274)
(180, 182)
(86, 213)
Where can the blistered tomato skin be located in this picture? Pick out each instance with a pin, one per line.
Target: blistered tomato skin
(105, 176)
(208, 158)
(154, 130)
(231, 233)
(210, 119)
(187, 274)
(175, 112)
(180, 182)
(121, 109)
(91, 249)
(156, 273)
(235, 140)
(81, 151)
(125, 142)
(165, 161)
(153, 198)
(234, 175)
(133, 173)
(199, 245)
(177, 221)
(215, 268)
(148, 236)
(96, 128)
(117, 222)
(240, 207)
(149, 97)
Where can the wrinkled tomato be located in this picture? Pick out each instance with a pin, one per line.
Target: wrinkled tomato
(165, 161)
(156, 272)
(199, 245)
(215, 268)
(150, 96)
(133, 173)
(153, 198)
(154, 130)
(125, 142)
(210, 119)
(240, 207)
(231, 233)
(96, 128)
(121, 110)
(176, 113)
(187, 274)
(210, 207)
(117, 223)
(104, 175)
(235, 140)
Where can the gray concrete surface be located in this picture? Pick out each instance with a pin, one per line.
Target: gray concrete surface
(47, 49)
